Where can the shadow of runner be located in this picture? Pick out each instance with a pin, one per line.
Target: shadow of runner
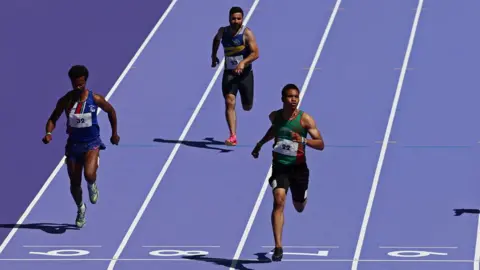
(240, 264)
(459, 212)
(52, 228)
(206, 144)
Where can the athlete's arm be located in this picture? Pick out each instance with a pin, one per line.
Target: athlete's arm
(316, 140)
(252, 43)
(108, 108)
(267, 137)
(215, 45)
(57, 112)
(52, 120)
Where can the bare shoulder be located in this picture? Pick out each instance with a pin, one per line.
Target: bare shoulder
(308, 121)
(98, 98)
(309, 124)
(65, 97)
(68, 95)
(219, 33)
(249, 35)
(61, 106)
(102, 103)
(63, 100)
(272, 116)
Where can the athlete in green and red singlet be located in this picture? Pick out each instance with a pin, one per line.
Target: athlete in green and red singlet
(289, 129)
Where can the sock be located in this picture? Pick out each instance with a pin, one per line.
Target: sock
(81, 207)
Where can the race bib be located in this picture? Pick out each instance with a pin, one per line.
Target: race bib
(233, 61)
(80, 120)
(286, 147)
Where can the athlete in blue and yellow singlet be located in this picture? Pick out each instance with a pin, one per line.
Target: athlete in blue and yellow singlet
(84, 143)
(240, 50)
(289, 129)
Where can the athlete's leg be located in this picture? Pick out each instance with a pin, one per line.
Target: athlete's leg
(280, 184)
(279, 198)
(75, 174)
(229, 89)
(74, 168)
(230, 113)
(246, 88)
(92, 157)
(299, 187)
(91, 166)
(300, 205)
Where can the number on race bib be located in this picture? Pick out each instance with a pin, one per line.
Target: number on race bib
(233, 61)
(80, 120)
(286, 147)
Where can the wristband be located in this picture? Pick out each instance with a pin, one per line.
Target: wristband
(49, 133)
(304, 140)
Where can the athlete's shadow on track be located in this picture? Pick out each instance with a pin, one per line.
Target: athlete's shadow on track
(462, 211)
(240, 264)
(206, 144)
(51, 228)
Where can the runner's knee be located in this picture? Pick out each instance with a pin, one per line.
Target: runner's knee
(91, 166)
(247, 107)
(230, 101)
(299, 196)
(90, 172)
(74, 185)
(299, 205)
(279, 198)
(74, 172)
(90, 175)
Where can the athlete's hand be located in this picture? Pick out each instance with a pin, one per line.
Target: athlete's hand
(47, 138)
(297, 138)
(256, 150)
(240, 67)
(215, 61)
(115, 139)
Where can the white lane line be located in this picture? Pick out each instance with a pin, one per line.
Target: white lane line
(476, 264)
(107, 97)
(152, 191)
(390, 247)
(256, 207)
(181, 246)
(386, 139)
(251, 260)
(59, 246)
(303, 246)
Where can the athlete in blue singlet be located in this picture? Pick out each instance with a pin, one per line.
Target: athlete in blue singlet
(84, 143)
(240, 50)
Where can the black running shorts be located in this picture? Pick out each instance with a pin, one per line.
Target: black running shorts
(295, 177)
(232, 83)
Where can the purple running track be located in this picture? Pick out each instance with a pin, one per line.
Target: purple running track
(432, 168)
(205, 199)
(39, 44)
